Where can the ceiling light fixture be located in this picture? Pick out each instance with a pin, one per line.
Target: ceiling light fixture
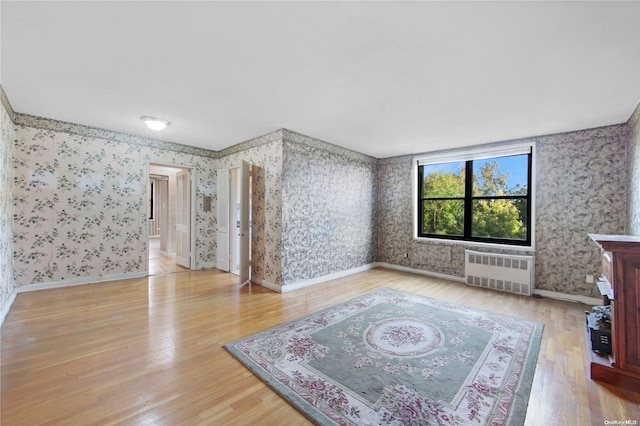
(154, 123)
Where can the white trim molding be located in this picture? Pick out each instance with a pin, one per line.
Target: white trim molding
(593, 301)
(81, 281)
(201, 266)
(325, 278)
(7, 306)
(419, 272)
(267, 284)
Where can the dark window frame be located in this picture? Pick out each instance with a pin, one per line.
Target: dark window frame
(468, 200)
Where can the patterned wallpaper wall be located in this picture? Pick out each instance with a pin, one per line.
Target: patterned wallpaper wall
(80, 204)
(394, 223)
(328, 198)
(7, 134)
(580, 189)
(265, 152)
(633, 200)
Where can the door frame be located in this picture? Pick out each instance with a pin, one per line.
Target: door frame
(243, 241)
(193, 205)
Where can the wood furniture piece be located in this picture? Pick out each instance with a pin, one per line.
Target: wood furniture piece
(621, 269)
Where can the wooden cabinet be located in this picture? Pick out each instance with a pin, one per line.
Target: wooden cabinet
(621, 267)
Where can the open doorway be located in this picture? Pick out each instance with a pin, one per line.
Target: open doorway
(169, 217)
(234, 219)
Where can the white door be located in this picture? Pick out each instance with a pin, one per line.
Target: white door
(163, 200)
(222, 213)
(245, 234)
(183, 219)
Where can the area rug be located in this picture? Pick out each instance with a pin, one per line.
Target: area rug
(394, 358)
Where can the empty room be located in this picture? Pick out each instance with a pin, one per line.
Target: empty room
(320, 212)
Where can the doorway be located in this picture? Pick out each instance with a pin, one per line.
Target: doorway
(234, 221)
(169, 209)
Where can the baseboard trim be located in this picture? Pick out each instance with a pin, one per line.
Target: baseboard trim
(267, 284)
(593, 301)
(313, 281)
(81, 281)
(419, 271)
(209, 265)
(286, 288)
(7, 306)
(543, 293)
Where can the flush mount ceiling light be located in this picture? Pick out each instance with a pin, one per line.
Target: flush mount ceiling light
(154, 123)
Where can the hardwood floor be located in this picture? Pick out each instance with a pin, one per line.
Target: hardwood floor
(149, 351)
(165, 265)
(159, 264)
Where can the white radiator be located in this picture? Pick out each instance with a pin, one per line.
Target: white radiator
(504, 272)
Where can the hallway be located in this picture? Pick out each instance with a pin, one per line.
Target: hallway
(159, 264)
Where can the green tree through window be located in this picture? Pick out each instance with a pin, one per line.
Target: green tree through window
(475, 200)
(443, 202)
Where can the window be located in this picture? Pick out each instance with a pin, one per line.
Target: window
(481, 197)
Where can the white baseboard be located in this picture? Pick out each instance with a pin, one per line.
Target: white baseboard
(319, 280)
(209, 265)
(593, 301)
(325, 278)
(543, 293)
(81, 281)
(7, 306)
(267, 284)
(418, 271)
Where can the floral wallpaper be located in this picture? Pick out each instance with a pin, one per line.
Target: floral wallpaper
(114, 136)
(79, 204)
(394, 225)
(328, 204)
(265, 154)
(7, 134)
(394, 216)
(633, 200)
(580, 189)
(282, 240)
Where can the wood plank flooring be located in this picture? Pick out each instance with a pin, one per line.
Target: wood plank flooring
(159, 264)
(149, 351)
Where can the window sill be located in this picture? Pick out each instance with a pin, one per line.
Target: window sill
(527, 249)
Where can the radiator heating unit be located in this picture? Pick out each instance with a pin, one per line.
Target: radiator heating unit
(504, 272)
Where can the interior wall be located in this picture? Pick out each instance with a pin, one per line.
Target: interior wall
(580, 188)
(633, 201)
(81, 207)
(7, 134)
(79, 204)
(328, 208)
(265, 153)
(394, 224)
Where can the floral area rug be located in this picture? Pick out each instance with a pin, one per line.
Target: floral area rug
(394, 358)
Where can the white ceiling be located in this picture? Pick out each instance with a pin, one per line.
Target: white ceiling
(381, 78)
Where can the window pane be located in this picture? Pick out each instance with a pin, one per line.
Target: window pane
(505, 218)
(443, 180)
(443, 217)
(501, 176)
